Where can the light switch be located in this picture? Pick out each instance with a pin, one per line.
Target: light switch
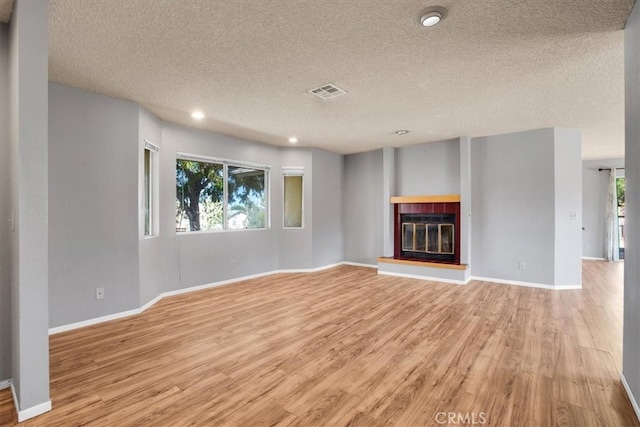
(573, 216)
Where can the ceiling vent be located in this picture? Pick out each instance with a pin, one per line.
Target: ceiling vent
(328, 91)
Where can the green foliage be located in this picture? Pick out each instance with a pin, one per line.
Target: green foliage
(620, 185)
(200, 193)
(197, 182)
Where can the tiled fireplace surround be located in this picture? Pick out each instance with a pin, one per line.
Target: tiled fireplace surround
(427, 210)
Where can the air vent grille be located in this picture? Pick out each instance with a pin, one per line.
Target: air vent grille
(328, 91)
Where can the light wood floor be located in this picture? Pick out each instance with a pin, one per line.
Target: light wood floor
(349, 347)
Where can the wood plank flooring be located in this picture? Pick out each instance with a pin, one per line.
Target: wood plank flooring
(348, 347)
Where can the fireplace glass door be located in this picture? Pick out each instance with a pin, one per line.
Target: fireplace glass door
(429, 238)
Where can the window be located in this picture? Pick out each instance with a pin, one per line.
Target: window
(220, 195)
(150, 198)
(247, 198)
(293, 197)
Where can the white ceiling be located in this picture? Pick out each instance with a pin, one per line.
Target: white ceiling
(493, 66)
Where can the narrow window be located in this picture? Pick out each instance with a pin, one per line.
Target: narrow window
(150, 188)
(293, 197)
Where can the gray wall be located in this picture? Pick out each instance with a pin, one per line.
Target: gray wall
(328, 245)
(594, 204)
(93, 223)
(631, 339)
(5, 210)
(363, 205)
(513, 206)
(29, 268)
(296, 244)
(465, 200)
(568, 205)
(192, 259)
(150, 128)
(428, 169)
(97, 221)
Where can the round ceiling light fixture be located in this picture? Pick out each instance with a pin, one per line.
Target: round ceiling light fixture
(293, 140)
(432, 16)
(402, 132)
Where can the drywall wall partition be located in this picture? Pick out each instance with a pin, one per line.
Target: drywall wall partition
(150, 129)
(93, 210)
(513, 201)
(192, 259)
(28, 59)
(328, 245)
(428, 169)
(567, 191)
(595, 185)
(465, 200)
(295, 244)
(5, 210)
(363, 204)
(631, 334)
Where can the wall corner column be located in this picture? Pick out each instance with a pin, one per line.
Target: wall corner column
(388, 190)
(465, 201)
(29, 109)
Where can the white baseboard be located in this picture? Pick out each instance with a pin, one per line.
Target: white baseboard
(5, 383)
(415, 276)
(213, 285)
(632, 398)
(528, 284)
(592, 258)
(152, 302)
(34, 411)
(359, 264)
(94, 321)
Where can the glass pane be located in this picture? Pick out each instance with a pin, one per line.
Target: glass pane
(446, 238)
(147, 192)
(293, 201)
(199, 196)
(247, 198)
(407, 237)
(421, 237)
(432, 238)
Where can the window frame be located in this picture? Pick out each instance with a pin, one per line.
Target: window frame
(293, 171)
(152, 182)
(226, 163)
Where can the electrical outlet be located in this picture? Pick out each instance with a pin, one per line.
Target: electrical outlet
(522, 265)
(233, 263)
(99, 293)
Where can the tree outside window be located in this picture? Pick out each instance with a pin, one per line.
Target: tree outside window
(200, 196)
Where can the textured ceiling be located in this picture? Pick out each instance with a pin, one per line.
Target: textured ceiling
(493, 66)
(5, 10)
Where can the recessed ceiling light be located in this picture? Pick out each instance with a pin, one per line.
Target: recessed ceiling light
(430, 19)
(402, 132)
(198, 115)
(293, 140)
(432, 16)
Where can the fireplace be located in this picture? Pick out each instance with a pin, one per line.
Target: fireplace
(427, 232)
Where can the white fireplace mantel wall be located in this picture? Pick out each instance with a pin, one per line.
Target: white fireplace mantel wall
(410, 173)
(521, 202)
